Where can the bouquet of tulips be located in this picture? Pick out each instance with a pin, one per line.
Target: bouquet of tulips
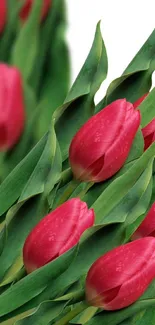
(77, 180)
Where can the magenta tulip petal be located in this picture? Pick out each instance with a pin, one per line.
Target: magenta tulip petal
(120, 277)
(85, 221)
(56, 233)
(119, 150)
(101, 146)
(3, 14)
(94, 138)
(12, 113)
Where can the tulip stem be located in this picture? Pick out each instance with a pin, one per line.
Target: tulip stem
(74, 297)
(85, 190)
(73, 313)
(73, 184)
(68, 191)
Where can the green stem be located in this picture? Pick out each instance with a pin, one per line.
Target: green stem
(73, 313)
(84, 191)
(75, 296)
(68, 191)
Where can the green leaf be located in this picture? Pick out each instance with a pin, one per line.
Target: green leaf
(9, 33)
(26, 45)
(79, 104)
(85, 316)
(121, 185)
(142, 318)
(46, 312)
(124, 209)
(56, 81)
(137, 148)
(138, 212)
(35, 283)
(147, 108)
(18, 228)
(136, 79)
(36, 183)
(52, 26)
(14, 184)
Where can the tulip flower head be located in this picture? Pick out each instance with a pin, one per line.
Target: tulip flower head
(12, 114)
(99, 149)
(3, 14)
(118, 278)
(26, 9)
(56, 233)
(147, 227)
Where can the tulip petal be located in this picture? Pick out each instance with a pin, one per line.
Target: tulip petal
(86, 220)
(3, 14)
(118, 152)
(11, 106)
(126, 271)
(50, 235)
(3, 136)
(95, 137)
(56, 233)
(133, 289)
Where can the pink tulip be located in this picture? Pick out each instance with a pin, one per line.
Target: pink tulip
(56, 233)
(147, 227)
(140, 100)
(99, 149)
(3, 14)
(12, 114)
(118, 278)
(149, 134)
(25, 11)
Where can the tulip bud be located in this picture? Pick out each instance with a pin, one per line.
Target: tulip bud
(139, 101)
(101, 146)
(25, 11)
(120, 277)
(11, 106)
(147, 227)
(56, 233)
(149, 134)
(3, 14)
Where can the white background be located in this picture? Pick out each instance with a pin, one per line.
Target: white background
(126, 24)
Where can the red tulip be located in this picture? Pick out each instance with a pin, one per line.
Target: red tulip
(140, 100)
(120, 277)
(11, 106)
(101, 146)
(25, 11)
(149, 134)
(3, 14)
(147, 227)
(56, 233)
